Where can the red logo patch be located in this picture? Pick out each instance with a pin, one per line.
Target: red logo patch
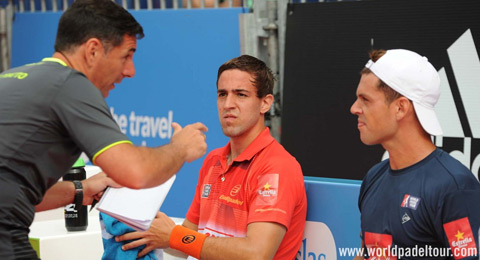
(404, 202)
(379, 246)
(460, 238)
(267, 189)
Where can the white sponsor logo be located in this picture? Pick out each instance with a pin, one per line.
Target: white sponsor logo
(318, 243)
(405, 218)
(462, 243)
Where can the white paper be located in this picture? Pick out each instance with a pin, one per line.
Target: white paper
(136, 208)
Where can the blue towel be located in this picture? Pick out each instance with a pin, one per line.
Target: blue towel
(112, 250)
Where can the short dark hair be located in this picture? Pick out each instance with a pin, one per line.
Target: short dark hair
(102, 19)
(263, 78)
(390, 93)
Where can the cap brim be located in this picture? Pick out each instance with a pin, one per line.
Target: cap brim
(428, 119)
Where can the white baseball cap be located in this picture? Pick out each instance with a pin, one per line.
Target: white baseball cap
(415, 78)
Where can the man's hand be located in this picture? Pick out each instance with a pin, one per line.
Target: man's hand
(94, 187)
(157, 236)
(190, 139)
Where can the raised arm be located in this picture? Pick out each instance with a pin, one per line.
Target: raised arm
(143, 167)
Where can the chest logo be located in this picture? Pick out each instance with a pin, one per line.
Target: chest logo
(405, 218)
(410, 202)
(206, 190)
(235, 190)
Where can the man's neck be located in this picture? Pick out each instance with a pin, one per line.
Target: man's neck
(238, 144)
(72, 59)
(409, 151)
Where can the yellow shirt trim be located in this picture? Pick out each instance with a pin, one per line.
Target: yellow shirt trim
(108, 147)
(56, 60)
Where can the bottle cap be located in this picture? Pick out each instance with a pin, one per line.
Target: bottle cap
(79, 163)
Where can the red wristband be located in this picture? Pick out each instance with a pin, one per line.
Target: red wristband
(187, 241)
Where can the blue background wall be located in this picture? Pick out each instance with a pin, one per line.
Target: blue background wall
(176, 69)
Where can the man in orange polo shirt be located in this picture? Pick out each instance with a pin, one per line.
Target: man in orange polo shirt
(250, 200)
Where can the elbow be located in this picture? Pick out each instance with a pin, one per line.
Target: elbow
(141, 178)
(135, 184)
(133, 178)
(260, 254)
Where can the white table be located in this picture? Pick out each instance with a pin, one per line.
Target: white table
(54, 242)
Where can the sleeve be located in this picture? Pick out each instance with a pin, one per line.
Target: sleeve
(276, 190)
(82, 110)
(370, 178)
(460, 218)
(361, 194)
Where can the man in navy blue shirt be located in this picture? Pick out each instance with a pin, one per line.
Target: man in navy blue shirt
(421, 202)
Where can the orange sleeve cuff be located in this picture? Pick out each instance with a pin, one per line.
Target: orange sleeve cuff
(187, 241)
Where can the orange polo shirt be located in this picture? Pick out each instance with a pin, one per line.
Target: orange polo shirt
(263, 184)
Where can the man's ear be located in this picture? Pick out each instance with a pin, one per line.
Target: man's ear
(93, 49)
(267, 102)
(403, 107)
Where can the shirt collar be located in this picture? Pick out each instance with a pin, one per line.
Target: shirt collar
(51, 59)
(260, 142)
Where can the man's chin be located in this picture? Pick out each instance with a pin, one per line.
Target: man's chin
(229, 132)
(366, 141)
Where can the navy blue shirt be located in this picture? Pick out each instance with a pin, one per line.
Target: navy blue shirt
(433, 204)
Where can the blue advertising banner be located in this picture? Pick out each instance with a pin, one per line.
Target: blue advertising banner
(175, 81)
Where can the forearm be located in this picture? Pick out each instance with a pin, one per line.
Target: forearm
(175, 253)
(62, 193)
(216, 248)
(58, 195)
(162, 162)
(143, 167)
(140, 167)
(262, 242)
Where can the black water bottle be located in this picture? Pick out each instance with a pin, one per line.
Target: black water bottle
(76, 214)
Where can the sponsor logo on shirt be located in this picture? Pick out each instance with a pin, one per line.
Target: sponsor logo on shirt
(231, 200)
(460, 237)
(379, 245)
(235, 190)
(206, 190)
(267, 189)
(405, 218)
(268, 185)
(15, 75)
(410, 202)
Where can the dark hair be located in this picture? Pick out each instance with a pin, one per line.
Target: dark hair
(102, 19)
(390, 93)
(263, 78)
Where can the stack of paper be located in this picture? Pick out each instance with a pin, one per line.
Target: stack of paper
(136, 208)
